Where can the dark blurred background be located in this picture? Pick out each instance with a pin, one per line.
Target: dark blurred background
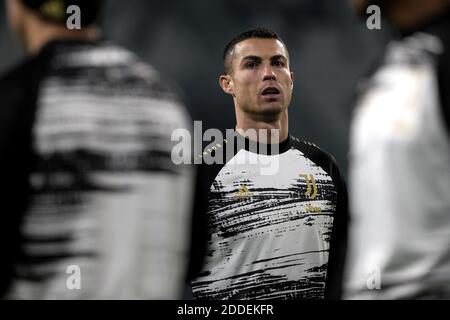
(330, 50)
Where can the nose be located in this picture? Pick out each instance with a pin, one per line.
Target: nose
(269, 74)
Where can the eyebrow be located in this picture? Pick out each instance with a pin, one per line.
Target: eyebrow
(256, 58)
(278, 56)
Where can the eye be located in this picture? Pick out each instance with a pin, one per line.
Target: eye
(250, 65)
(279, 63)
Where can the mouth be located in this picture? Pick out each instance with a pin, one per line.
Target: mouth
(270, 92)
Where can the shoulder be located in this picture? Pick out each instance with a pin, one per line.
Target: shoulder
(18, 73)
(315, 154)
(18, 86)
(321, 158)
(145, 81)
(144, 73)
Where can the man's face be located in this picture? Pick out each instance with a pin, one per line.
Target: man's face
(260, 80)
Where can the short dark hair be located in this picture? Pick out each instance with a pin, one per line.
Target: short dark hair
(262, 33)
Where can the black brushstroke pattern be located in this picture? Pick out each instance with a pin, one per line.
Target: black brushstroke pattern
(235, 216)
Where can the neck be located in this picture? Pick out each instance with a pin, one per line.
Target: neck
(37, 34)
(259, 128)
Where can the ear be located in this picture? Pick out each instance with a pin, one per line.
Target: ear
(226, 83)
(292, 79)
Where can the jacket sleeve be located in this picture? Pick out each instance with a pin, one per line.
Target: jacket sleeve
(339, 239)
(444, 84)
(17, 107)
